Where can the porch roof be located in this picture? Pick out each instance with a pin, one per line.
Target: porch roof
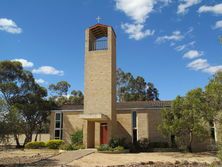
(94, 117)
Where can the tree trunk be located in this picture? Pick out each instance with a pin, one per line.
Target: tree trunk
(173, 141)
(17, 141)
(189, 147)
(36, 136)
(28, 138)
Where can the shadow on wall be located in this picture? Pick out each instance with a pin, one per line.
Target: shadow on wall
(70, 126)
(122, 133)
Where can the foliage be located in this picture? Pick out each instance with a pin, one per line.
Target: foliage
(59, 95)
(77, 137)
(158, 145)
(118, 148)
(26, 107)
(59, 89)
(142, 144)
(76, 97)
(115, 142)
(185, 118)
(219, 153)
(130, 88)
(54, 144)
(69, 147)
(35, 145)
(213, 92)
(104, 147)
(115, 145)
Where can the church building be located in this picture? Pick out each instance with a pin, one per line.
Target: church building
(102, 117)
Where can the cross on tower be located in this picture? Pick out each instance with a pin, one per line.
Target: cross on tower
(98, 19)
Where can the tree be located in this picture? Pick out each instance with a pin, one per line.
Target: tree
(152, 92)
(59, 89)
(213, 93)
(76, 97)
(185, 119)
(130, 88)
(26, 107)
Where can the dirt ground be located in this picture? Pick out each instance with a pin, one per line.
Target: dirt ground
(29, 157)
(13, 157)
(103, 159)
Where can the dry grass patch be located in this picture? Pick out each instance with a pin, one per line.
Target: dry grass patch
(26, 156)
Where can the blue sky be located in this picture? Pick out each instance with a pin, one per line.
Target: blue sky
(174, 44)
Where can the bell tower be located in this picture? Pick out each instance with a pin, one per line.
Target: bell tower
(99, 85)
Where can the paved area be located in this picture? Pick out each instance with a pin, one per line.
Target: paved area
(64, 158)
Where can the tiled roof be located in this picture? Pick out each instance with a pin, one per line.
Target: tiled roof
(125, 105)
(144, 104)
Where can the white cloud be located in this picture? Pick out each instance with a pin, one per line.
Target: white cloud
(40, 81)
(218, 25)
(175, 36)
(216, 9)
(192, 54)
(183, 7)
(138, 11)
(9, 26)
(136, 31)
(204, 66)
(185, 46)
(198, 64)
(213, 69)
(48, 70)
(25, 63)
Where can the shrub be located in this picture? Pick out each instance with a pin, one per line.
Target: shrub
(143, 144)
(66, 147)
(219, 153)
(118, 148)
(54, 144)
(77, 137)
(115, 142)
(104, 147)
(35, 145)
(159, 145)
(70, 147)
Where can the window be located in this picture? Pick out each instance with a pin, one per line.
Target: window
(134, 126)
(58, 125)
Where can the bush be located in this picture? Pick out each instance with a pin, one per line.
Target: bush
(143, 144)
(118, 148)
(159, 145)
(54, 144)
(77, 137)
(219, 153)
(115, 142)
(66, 147)
(35, 145)
(70, 147)
(104, 147)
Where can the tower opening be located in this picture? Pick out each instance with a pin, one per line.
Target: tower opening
(98, 38)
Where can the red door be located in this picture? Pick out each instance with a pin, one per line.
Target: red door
(103, 133)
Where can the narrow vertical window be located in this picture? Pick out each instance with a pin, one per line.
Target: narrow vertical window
(134, 126)
(58, 125)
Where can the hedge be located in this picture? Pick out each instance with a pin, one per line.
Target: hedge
(35, 145)
(54, 144)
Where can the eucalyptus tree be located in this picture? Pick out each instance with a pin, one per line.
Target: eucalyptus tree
(25, 101)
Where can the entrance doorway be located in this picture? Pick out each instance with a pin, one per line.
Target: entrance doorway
(103, 133)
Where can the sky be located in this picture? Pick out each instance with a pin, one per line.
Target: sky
(174, 44)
